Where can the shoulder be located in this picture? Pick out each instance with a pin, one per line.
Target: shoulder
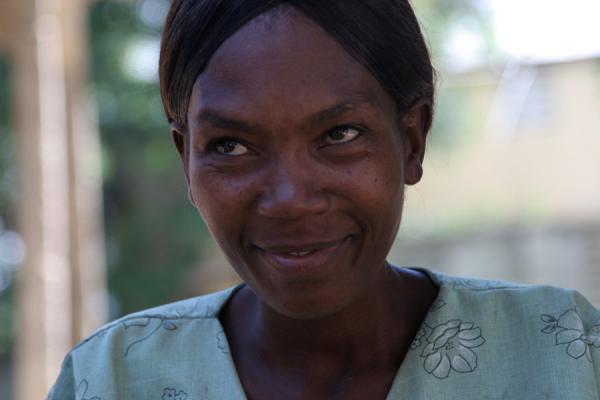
(522, 333)
(497, 289)
(513, 298)
(532, 314)
(167, 316)
(127, 352)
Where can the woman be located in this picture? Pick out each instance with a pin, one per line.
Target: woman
(299, 123)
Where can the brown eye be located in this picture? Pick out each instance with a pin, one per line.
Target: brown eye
(342, 134)
(230, 147)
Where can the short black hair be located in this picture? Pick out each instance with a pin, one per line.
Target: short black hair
(383, 35)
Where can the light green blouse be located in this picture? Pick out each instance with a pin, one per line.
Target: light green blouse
(480, 340)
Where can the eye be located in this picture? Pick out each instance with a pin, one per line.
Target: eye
(342, 134)
(229, 147)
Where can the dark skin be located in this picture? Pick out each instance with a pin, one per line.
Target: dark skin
(297, 158)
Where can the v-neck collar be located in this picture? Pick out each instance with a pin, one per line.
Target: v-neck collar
(439, 279)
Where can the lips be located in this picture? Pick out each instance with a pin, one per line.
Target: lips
(316, 257)
(298, 253)
(295, 248)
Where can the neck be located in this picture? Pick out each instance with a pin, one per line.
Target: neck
(374, 332)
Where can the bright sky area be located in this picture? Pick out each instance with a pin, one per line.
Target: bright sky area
(548, 30)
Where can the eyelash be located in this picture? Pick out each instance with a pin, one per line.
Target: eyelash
(341, 128)
(213, 146)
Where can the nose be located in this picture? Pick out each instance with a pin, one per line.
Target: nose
(293, 190)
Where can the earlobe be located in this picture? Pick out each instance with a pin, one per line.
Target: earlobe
(413, 173)
(416, 123)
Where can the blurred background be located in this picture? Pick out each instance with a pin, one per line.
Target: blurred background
(94, 219)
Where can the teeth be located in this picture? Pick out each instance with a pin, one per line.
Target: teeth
(298, 253)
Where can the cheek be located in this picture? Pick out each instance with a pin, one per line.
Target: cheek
(220, 201)
(377, 183)
(380, 194)
(385, 198)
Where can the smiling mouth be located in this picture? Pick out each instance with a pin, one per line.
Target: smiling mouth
(298, 250)
(306, 258)
(298, 253)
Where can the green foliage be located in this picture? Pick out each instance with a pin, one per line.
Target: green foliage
(7, 171)
(7, 320)
(153, 234)
(7, 202)
(438, 18)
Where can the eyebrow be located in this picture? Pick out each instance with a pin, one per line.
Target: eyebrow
(339, 109)
(216, 119)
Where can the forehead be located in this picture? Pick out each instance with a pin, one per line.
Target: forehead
(283, 60)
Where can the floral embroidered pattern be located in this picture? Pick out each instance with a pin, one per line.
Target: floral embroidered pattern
(167, 321)
(571, 331)
(173, 394)
(143, 323)
(425, 329)
(483, 285)
(449, 347)
(417, 341)
(81, 392)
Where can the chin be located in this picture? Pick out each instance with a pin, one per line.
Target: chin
(317, 304)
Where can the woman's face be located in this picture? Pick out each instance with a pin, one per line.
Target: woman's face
(297, 159)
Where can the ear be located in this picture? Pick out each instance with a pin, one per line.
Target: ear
(182, 144)
(416, 123)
